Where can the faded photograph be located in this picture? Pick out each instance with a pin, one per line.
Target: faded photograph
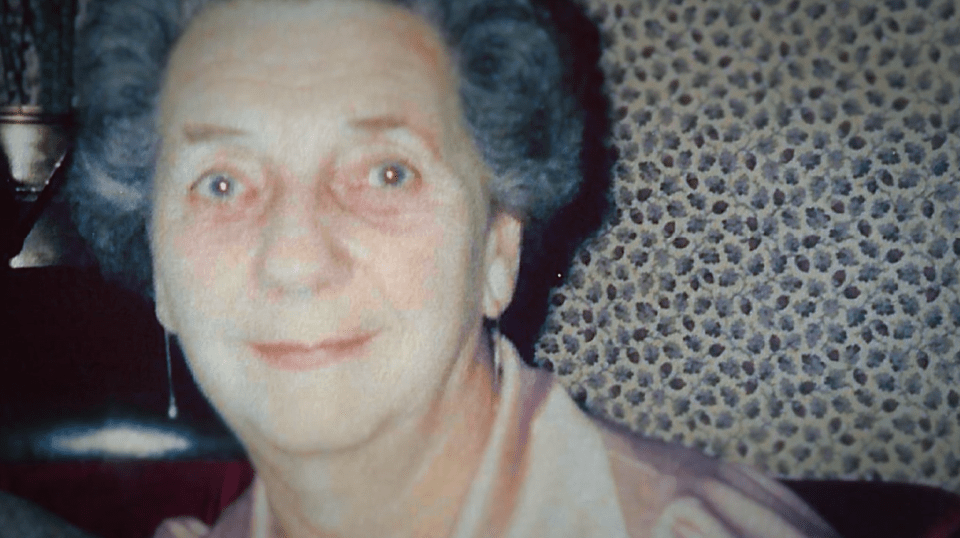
(491, 268)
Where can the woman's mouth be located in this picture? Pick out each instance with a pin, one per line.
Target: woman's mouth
(296, 356)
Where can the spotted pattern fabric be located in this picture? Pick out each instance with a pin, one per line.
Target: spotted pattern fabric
(779, 284)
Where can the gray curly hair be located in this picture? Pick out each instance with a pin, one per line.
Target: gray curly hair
(518, 97)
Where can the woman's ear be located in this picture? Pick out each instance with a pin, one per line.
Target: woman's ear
(502, 263)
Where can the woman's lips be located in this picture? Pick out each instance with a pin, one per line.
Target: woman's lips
(295, 356)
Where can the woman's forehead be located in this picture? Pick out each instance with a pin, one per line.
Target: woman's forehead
(289, 20)
(321, 54)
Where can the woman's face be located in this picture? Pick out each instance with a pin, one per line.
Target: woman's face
(321, 231)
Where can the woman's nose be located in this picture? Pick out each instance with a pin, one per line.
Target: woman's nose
(300, 252)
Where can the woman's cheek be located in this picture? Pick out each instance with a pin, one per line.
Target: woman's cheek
(216, 250)
(417, 269)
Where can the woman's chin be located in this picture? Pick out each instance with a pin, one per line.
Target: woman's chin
(295, 435)
(312, 414)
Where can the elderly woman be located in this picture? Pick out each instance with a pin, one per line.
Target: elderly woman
(337, 192)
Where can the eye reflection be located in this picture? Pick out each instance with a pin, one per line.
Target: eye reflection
(391, 175)
(218, 186)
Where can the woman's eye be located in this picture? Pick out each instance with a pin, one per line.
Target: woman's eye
(391, 175)
(218, 186)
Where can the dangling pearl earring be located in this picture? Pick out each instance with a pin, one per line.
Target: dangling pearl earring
(172, 408)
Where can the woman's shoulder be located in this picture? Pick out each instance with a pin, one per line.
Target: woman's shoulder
(668, 487)
(583, 476)
(665, 489)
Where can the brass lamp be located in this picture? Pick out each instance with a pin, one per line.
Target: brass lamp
(36, 48)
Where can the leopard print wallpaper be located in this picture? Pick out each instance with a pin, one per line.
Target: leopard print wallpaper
(779, 283)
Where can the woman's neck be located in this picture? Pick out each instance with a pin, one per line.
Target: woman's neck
(409, 480)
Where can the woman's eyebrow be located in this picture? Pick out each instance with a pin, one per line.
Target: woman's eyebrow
(380, 124)
(196, 133)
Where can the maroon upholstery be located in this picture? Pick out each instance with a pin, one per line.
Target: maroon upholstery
(128, 499)
(871, 509)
